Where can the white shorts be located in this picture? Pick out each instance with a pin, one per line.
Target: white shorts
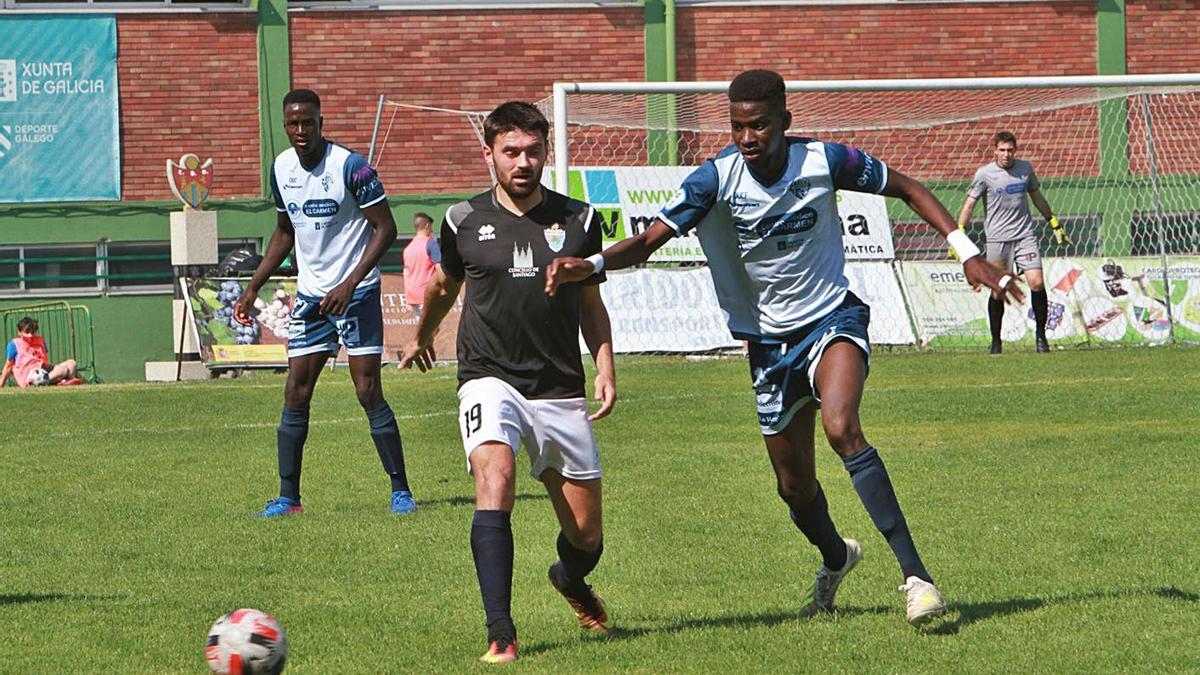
(556, 433)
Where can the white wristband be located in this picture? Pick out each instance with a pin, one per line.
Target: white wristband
(597, 261)
(962, 245)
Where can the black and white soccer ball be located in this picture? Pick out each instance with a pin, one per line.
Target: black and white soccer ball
(39, 377)
(246, 642)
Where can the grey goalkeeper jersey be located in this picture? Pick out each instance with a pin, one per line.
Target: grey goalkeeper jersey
(1006, 199)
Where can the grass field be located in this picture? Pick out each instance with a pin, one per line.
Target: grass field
(1052, 496)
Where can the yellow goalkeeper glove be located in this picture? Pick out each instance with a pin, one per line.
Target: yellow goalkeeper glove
(950, 251)
(1060, 235)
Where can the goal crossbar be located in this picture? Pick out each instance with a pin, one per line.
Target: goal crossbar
(563, 90)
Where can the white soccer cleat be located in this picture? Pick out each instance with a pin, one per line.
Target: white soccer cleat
(826, 584)
(923, 600)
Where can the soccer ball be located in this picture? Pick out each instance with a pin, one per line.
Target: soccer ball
(246, 642)
(39, 377)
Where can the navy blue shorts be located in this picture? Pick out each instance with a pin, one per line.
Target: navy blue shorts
(783, 372)
(359, 328)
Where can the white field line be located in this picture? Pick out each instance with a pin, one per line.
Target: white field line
(361, 419)
(241, 426)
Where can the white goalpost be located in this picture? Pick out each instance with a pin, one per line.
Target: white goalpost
(1118, 159)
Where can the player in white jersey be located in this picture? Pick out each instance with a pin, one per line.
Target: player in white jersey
(766, 215)
(333, 210)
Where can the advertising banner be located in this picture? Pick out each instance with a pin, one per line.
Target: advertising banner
(1106, 300)
(59, 128)
(664, 311)
(629, 198)
(400, 322)
(223, 342)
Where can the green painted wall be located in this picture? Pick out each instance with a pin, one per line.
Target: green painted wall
(124, 336)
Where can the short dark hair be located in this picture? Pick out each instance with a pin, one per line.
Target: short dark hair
(1004, 137)
(759, 85)
(27, 325)
(421, 215)
(514, 116)
(302, 96)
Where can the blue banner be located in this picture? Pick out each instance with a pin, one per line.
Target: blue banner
(59, 127)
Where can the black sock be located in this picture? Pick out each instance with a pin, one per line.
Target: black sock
(995, 316)
(386, 435)
(576, 564)
(289, 439)
(492, 548)
(1040, 311)
(874, 488)
(814, 521)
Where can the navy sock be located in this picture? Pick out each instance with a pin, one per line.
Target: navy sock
(492, 548)
(386, 435)
(576, 563)
(995, 316)
(1040, 310)
(814, 521)
(874, 488)
(290, 437)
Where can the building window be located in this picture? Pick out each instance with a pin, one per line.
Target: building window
(139, 265)
(114, 267)
(44, 269)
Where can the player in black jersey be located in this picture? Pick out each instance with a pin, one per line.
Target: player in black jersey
(520, 375)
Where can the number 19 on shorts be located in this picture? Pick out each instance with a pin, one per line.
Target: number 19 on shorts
(472, 419)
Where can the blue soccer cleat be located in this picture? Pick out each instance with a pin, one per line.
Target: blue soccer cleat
(402, 502)
(281, 506)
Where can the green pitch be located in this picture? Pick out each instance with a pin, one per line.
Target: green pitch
(1052, 496)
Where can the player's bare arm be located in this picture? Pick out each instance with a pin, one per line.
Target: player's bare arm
(597, 334)
(282, 240)
(383, 235)
(1043, 207)
(627, 253)
(924, 204)
(440, 295)
(964, 214)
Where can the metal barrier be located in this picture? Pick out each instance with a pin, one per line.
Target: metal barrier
(66, 328)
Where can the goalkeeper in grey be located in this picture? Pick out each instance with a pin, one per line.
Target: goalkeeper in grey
(1007, 185)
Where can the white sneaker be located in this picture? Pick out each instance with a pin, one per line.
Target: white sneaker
(826, 584)
(924, 600)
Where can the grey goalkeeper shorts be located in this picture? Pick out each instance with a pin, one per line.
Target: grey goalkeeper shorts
(1017, 255)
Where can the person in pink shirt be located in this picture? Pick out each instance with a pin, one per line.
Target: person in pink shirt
(421, 256)
(29, 362)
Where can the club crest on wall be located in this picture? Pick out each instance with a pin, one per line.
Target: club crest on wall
(190, 180)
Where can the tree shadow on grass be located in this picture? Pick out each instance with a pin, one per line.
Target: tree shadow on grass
(960, 615)
(24, 598)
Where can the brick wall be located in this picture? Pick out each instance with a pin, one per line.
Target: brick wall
(905, 42)
(456, 60)
(188, 83)
(1160, 36)
(474, 60)
(890, 41)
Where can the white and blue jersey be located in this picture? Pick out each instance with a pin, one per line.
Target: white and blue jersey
(325, 206)
(774, 251)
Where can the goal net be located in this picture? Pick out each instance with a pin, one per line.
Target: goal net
(1118, 159)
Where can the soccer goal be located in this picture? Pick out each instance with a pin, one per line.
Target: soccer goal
(1118, 159)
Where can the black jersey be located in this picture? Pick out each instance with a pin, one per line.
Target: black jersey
(510, 329)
